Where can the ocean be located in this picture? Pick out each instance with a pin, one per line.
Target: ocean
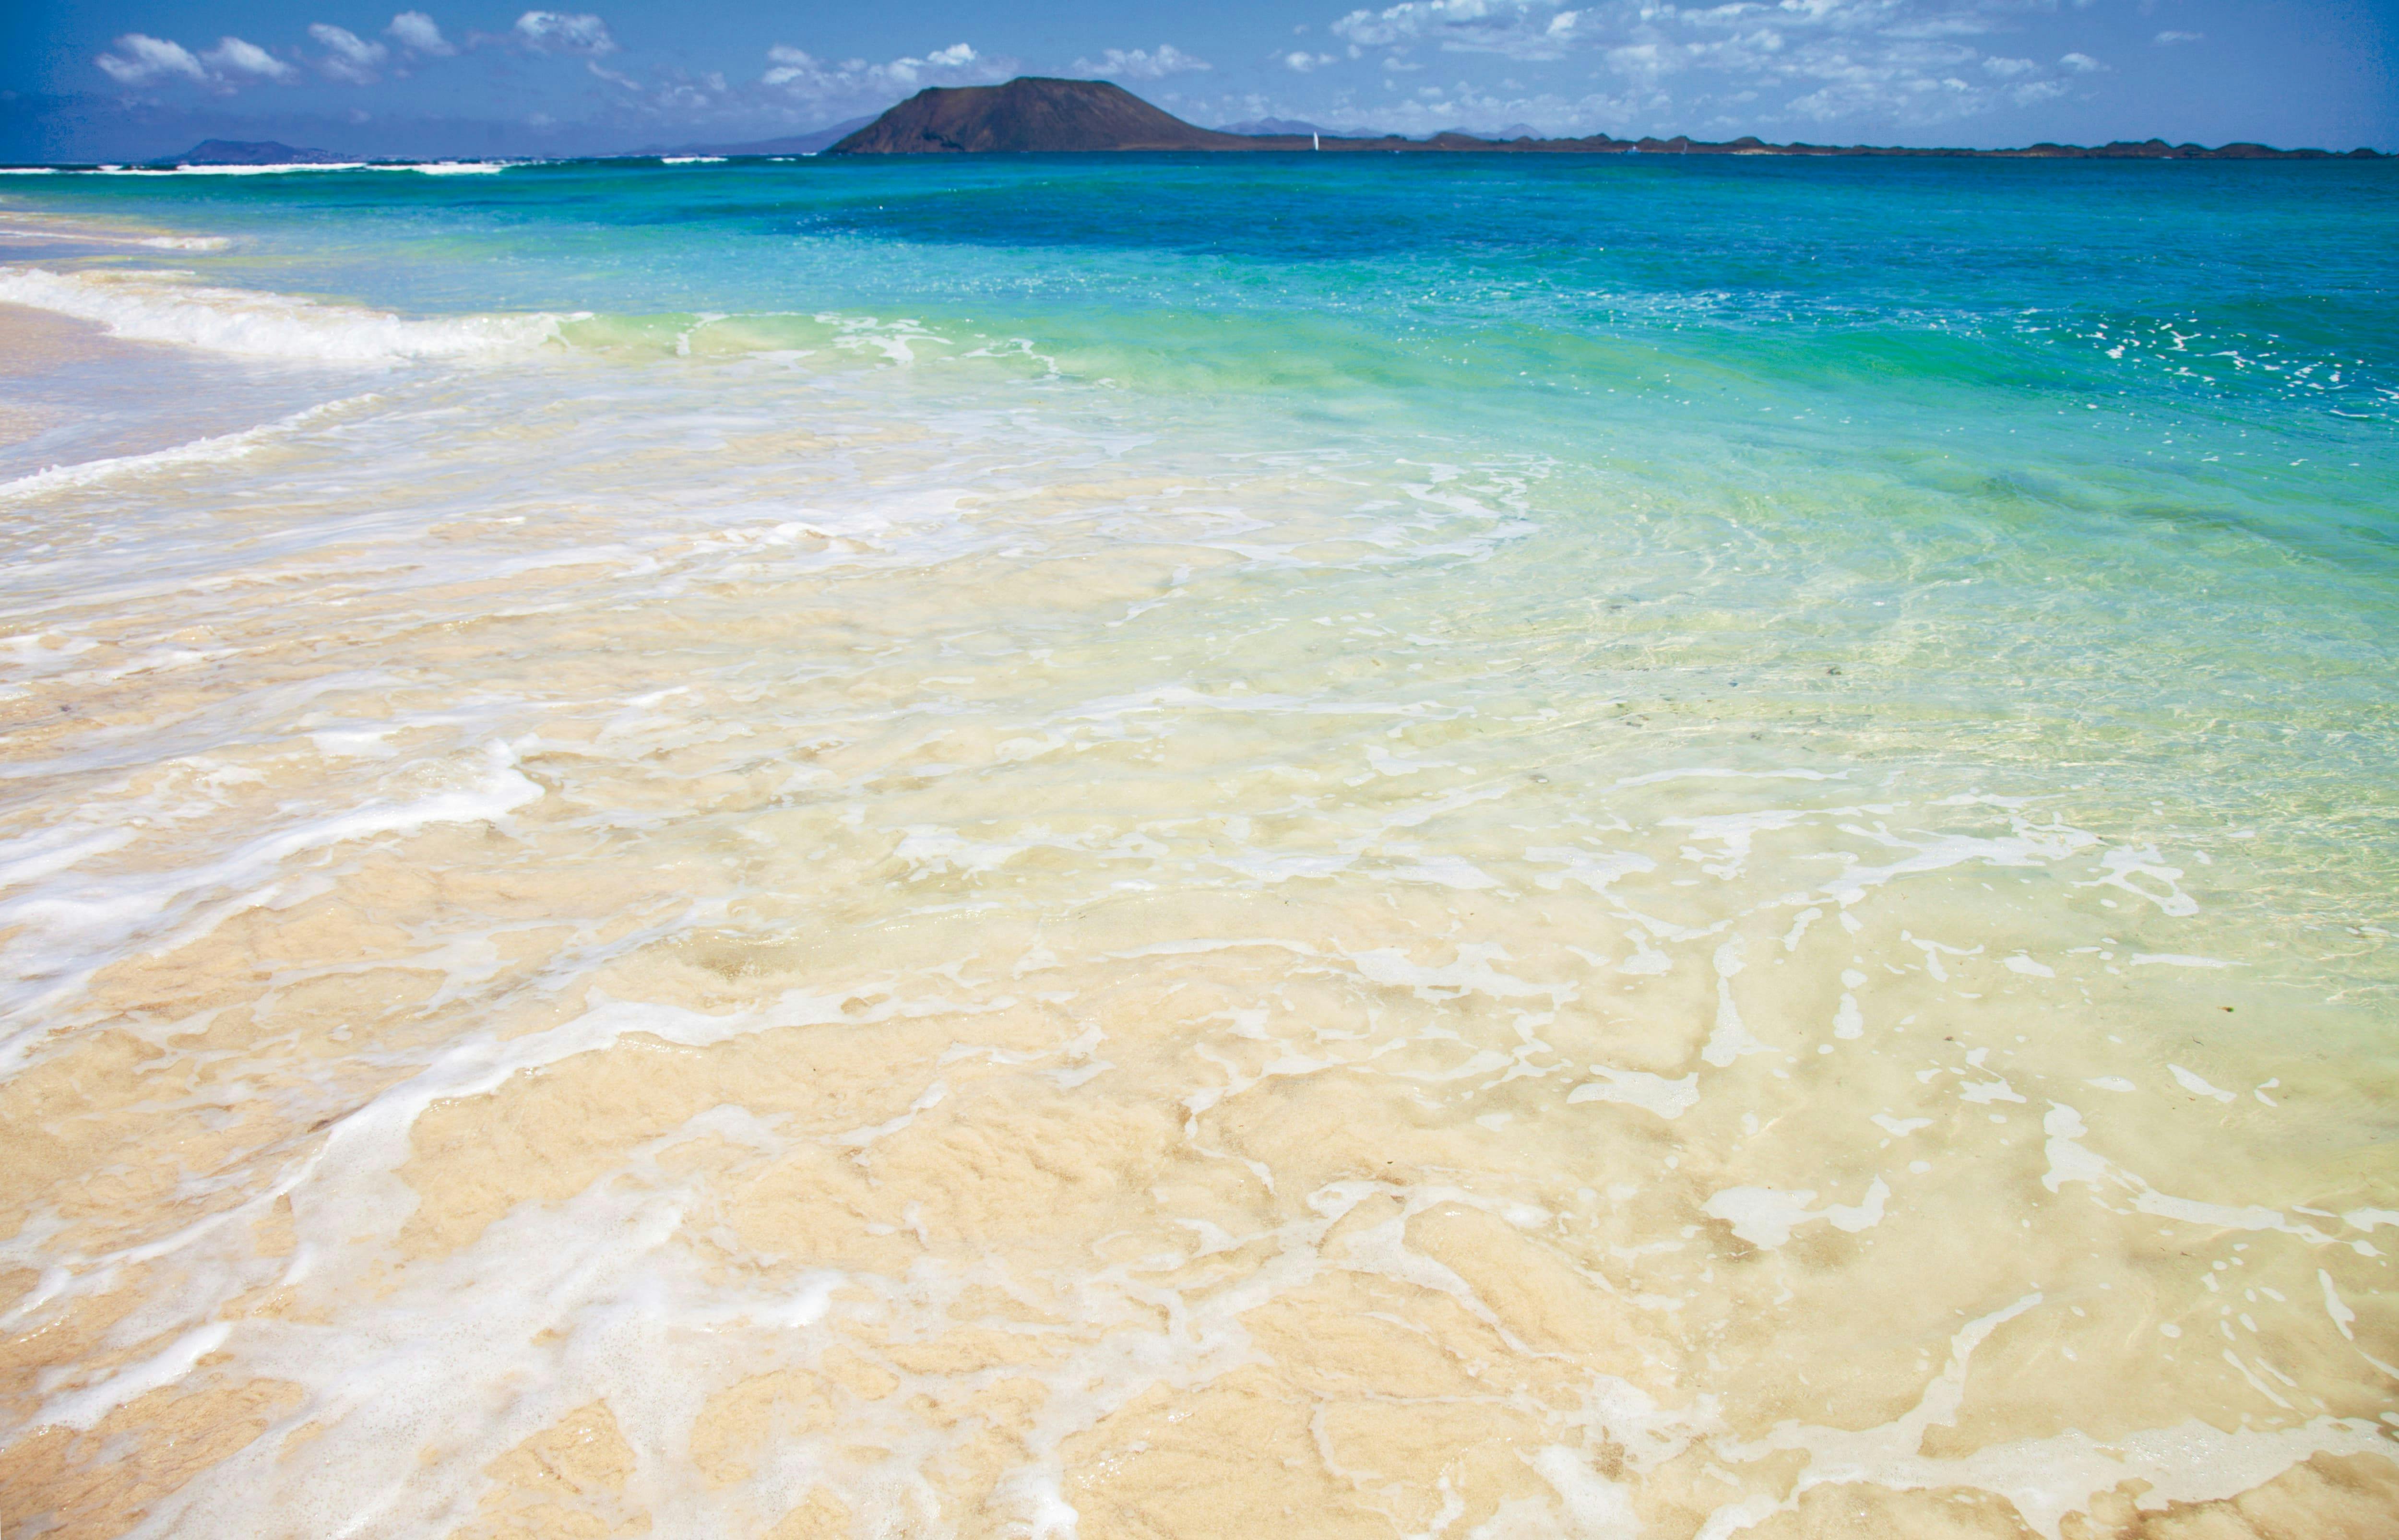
(1486, 846)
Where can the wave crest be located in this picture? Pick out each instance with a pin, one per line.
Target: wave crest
(170, 307)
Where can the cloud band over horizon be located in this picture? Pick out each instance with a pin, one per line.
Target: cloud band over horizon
(1902, 71)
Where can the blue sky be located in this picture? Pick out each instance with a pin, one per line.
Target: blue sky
(111, 79)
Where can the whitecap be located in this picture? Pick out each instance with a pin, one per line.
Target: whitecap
(166, 307)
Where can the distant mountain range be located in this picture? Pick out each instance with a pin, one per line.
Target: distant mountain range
(1037, 114)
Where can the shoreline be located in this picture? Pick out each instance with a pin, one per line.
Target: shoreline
(1336, 861)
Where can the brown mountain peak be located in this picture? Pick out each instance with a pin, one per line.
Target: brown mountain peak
(1029, 113)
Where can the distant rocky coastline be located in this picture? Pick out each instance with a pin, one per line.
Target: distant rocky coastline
(1033, 115)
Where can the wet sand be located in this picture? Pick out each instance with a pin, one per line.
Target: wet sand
(33, 342)
(969, 984)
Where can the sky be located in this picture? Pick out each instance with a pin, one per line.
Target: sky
(123, 79)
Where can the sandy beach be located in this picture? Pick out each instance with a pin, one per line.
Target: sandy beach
(874, 921)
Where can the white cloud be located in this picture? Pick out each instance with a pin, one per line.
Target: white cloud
(348, 56)
(141, 59)
(1895, 61)
(418, 32)
(2167, 39)
(685, 94)
(1644, 61)
(233, 56)
(1518, 29)
(1139, 64)
(1462, 107)
(1303, 60)
(855, 84)
(558, 32)
(1891, 15)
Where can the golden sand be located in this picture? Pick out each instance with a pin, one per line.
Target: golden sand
(1028, 1015)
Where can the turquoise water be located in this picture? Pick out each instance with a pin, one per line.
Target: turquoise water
(1218, 748)
(2169, 388)
(2186, 347)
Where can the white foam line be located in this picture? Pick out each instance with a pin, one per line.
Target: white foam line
(2027, 846)
(199, 452)
(29, 857)
(167, 308)
(2069, 1160)
(1766, 1216)
(56, 929)
(87, 1406)
(223, 170)
(426, 168)
(355, 1170)
(103, 238)
(1654, 1093)
(2046, 1479)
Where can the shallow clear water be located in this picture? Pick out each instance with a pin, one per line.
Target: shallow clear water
(1152, 847)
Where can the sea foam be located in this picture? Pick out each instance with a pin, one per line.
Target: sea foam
(170, 307)
(217, 449)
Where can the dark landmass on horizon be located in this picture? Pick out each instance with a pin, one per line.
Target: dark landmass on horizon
(1035, 115)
